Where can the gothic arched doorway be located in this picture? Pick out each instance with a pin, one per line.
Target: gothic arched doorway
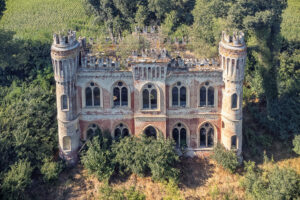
(150, 131)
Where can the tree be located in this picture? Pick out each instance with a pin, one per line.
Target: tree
(21, 59)
(296, 144)
(225, 158)
(275, 183)
(16, 180)
(2, 7)
(160, 8)
(98, 158)
(261, 20)
(28, 122)
(141, 15)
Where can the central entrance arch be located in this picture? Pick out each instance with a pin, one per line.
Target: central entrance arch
(150, 131)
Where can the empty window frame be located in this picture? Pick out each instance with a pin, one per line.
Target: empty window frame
(120, 94)
(179, 95)
(121, 131)
(64, 102)
(234, 101)
(149, 97)
(67, 143)
(92, 131)
(179, 134)
(207, 96)
(206, 136)
(233, 142)
(92, 95)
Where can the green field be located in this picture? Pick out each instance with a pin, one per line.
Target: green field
(38, 19)
(290, 26)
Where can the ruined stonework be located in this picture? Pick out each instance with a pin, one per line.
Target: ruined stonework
(197, 102)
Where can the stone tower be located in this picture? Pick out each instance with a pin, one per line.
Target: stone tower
(65, 59)
(233, 52)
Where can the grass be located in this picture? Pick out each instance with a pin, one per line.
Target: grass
(39, 19)
(290, 26)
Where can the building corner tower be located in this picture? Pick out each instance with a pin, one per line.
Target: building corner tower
(233, 51)
(65, 59)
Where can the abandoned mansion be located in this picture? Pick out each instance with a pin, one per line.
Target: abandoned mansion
(196, 102)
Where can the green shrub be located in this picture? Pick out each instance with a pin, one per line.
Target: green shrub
(277, 183)
(296, 144)
(161, 159)
(16, 180)
(143, 155)
(50, 170)
(130, 156)
(172, 191)
(227, 159)
(109, 193)
(133, 194)
(98, 158)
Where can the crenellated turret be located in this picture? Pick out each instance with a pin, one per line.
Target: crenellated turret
(65, 59)
(233, 54)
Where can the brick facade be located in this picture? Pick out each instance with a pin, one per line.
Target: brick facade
(76, 70)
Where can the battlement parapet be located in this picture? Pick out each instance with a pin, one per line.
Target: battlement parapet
(236, 39)
(64, 40)
(93, 62)
(148, 54)
(193, 63)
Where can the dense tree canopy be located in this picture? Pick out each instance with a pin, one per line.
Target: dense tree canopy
(2, 7)
(122, 15)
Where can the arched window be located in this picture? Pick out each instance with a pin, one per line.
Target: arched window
(120, 95)
(92, 95)
(179, 134)
(206, 135)
(96, 96)
(227, 64)
(150, 131)
(61, 68)
(210, 96)
(207, 95)
(234, 101)
(202, 96)
(179, 95)
(66, 143)
(149, 97)
(64, 102)
(92, 130)
(121, 131)
(234, 142)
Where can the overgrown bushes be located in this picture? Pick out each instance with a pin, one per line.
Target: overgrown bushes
(98, 159)
(276, 183)
(225, 158)
(50, 170)
(141, 156)
(296, 144)
(28, 131)
(16, 180)
(109, 193)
